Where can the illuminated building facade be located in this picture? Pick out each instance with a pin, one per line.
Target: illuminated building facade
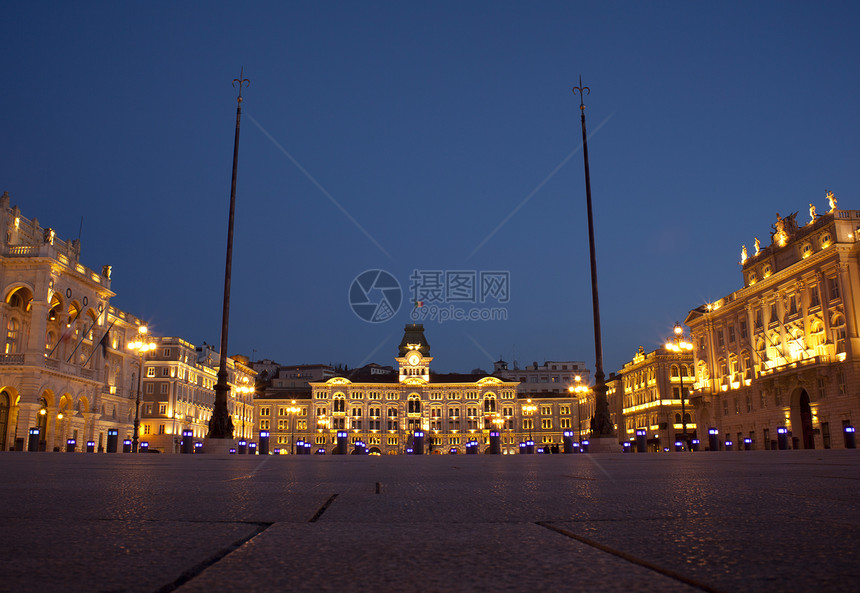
(551, 376)
(652, 385)
(782, 352)
(64, 367)
(65, 364)
(384, 410)
(178, 393)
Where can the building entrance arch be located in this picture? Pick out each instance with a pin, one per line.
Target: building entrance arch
(5, 406)
(807, 436)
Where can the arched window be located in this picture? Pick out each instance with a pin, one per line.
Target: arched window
(838, 327)
(339, 403)
(413, 405)
(490, 403)
(674, 371)
(13, 335)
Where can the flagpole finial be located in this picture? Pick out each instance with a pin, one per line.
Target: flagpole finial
(583, 90)
(242, 81)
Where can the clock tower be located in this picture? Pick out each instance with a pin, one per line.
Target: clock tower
(414, 359)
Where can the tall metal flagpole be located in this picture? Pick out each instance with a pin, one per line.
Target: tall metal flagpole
(221, 424)
(601, 422)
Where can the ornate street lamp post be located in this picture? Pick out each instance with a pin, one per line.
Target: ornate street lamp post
(679, 344)
(142, 345)
(293, 410)
(578, 390)
(529, 409)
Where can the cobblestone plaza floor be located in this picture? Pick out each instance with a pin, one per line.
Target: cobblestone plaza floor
(725, 521)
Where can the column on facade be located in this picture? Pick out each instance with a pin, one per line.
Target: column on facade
(824, 298)
(35, 349)
(27, 417)
(846, 270)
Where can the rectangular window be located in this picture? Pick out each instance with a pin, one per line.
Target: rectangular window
(825, 434)
(148, 408)
(546, 423)
(146, 429)
(165, 372)
(743, 330)
(392, 395)
(749, 404)
(731, 334)
(391, 440)
(265, 410)
(814, 300)
(563, 410)
(774, 316)
(150, 371)
(720, 339)
(264, 425)
(162, 408)
(725, 407)
(737, 406)
(150, 388)
(565, 422)
(834, 288)
(164, 387)
(166, 352)
(283, 424)
(546, 410)
(528, 424)
(160, 429)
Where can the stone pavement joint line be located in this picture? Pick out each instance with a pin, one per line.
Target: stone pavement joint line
(195, 571)
(322, 509)
(631, 558)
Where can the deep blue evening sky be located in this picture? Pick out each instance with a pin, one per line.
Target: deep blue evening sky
(429, 124)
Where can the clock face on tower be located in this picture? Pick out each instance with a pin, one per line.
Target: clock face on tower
(414, 359)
